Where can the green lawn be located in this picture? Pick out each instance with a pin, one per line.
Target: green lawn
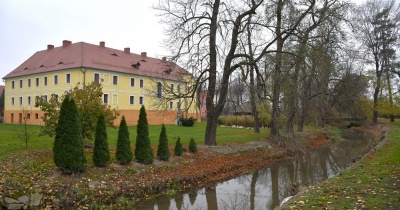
(9, 143)
(373, 183)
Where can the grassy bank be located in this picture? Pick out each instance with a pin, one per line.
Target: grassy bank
(11, 144)
(372, 183)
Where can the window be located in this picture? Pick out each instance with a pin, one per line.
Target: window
(141, 83)
(20, 101)
(96, 77)
(45, 81)
(36, 116)
(37, 100)
(179, 88)
(141, 100)
(178, 105)
(132, 82)
(68, 78)
(171, 105)
(44, 97)
(115, 99)
(105, 98)
(54, 97)
(28, 116)
(29, 82)
(28, 101)
(12, 84)
(55, 79)
(37, 81)
(115, 80)
(159, 89)
(172, 88)
(20, 83)
(12, 101)
(131, 100)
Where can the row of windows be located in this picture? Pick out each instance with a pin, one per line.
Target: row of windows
(106, 79)
(37, 81)
(29, 99)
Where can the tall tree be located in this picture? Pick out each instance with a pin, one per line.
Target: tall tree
(68, 149)
(163, 149)
(376, 24)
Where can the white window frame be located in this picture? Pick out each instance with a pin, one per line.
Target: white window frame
(106, 79)
(12, 101)
(115, 76)
(45, 81)
(37, 81)
(134, 82)
(28, 100)
(94, 77)
(29, 82)
(66, 78)
(12, 84)
(108, 98)
(115, 102)
(21, 83)
(20, 100)
(171, 105)
(141, 83)
(133, 101)
(55, 81)
(141, 100)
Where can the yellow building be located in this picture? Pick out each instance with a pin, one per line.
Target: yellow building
(129, 81)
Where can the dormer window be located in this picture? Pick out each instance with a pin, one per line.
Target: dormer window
(114, 54)
(41, 66)
(136, 65)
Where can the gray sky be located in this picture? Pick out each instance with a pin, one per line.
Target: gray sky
(27, 26)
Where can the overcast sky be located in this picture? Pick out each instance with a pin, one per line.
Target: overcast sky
(27, 26)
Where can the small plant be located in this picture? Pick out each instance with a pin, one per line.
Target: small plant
(124, 151)
(163, 150)
(178, 147)
(188, 122)
(192, 146)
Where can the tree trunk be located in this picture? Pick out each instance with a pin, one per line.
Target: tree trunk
(390, 96)
(376, 92)
(275, 113)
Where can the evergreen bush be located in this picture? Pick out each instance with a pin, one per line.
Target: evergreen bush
(101, 152)
(143, 151)
(192, 146)
(188, 122)
(69, 148)
(178, 147)
(124, 152)
(163, 150)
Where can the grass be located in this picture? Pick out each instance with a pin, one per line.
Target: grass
(372, 183)
(10, 144)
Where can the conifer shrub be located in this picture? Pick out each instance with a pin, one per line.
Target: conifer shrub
(124, 152)
(101, 152)
(69, 148)
(192, 146)
(163, 150)
(178, 147)
(143, 151)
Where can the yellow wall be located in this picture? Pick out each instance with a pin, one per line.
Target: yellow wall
(119, 94)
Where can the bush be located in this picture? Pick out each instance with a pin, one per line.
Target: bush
(245, 121)
(192, 146)
(101, 152)
(163, 150)
(178, 147)
(143, 151)
(188, 122)
(69, 148)
(124, 152)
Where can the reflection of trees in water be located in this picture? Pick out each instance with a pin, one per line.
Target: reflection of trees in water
(265, 188)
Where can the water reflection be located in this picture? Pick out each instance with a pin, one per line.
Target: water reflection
(266, 188)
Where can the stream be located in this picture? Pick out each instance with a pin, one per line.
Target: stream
(267, 187)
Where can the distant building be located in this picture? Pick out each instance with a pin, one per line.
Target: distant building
(129, 81)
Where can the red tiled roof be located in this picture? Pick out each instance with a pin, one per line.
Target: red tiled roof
(82, 54)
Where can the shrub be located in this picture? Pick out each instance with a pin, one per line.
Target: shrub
(189, 122)
(163, 150)
(245, 121)
(101, 152)
(192, 146)
(124, 152)
(69, 149)
(143, 151)
(178, 147)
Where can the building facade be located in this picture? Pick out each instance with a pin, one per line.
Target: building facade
(129, 81)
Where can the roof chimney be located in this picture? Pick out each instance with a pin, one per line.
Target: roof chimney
(50, 46)
(164, 59)
(66, 43)
(144, 54)
(102, 44)
(127, 50)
